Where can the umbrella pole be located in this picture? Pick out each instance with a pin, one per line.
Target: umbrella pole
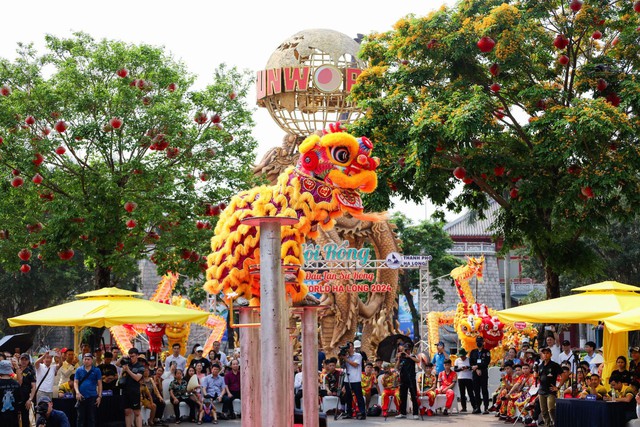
(77, 330)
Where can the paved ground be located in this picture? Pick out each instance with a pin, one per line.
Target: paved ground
(463, 420)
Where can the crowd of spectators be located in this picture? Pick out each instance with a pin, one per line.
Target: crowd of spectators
(30, 385)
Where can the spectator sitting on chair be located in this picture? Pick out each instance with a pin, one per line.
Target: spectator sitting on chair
(622, 393)
(67, 388)
(232, 381)
(331, 381)
(368, 383)
(621, 373)
(389, 385)
(427, 383)
(215, 388)
(594, 387)
(447, 381)
(178, 392)
(506, 384)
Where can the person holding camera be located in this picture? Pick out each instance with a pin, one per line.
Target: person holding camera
(88, 386)
(132, 371)
(462, 366)
(353, 384)
(406, 366)
(46, 416)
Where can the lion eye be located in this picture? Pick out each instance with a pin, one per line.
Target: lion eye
(340, 154)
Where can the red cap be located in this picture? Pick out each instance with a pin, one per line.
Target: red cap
(63, 350)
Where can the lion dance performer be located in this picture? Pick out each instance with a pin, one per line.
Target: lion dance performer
(324, 184)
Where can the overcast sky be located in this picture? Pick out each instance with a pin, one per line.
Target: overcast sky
(204, 34)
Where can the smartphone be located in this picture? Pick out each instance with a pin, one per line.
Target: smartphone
(547, 328)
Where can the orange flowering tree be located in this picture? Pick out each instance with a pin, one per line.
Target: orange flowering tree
(533, 105)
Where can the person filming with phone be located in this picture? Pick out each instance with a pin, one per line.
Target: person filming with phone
(352, 361)
(406, 366)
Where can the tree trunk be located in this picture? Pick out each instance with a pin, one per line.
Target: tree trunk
(102, 277)
(552, 280)
(406, 291)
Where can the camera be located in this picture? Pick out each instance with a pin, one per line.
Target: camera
(125, 361)
(344, 350)
(42, 408)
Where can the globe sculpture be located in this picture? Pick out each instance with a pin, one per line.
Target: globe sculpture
(307, 80)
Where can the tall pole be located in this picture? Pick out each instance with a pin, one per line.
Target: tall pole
(249, 370)
(273, 314)
(310, 366)
(507, 280)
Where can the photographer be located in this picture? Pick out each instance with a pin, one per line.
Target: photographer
(132, 371)
(46, 416)
(406, 366)
(353, 363)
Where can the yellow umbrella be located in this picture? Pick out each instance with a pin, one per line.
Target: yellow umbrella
(627, 321)
(597, 302)
(106, 308)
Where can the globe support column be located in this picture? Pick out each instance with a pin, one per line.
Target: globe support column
(249, 379)
(273, 314)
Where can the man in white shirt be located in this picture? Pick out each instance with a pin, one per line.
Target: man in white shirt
(554, 347)
(462, 367)
(352, 361)
(567, 355)
(181, 361)
(45, 375)
(590, 348)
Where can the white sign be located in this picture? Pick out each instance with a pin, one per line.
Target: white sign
(415, 260)
(395, 260)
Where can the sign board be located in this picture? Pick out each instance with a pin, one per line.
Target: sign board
(396, 260)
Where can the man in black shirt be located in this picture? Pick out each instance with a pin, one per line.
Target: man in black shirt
(109, 372)
(548, 373)
(132, 371)
(479, 360)
(25, 371)
(406, 366)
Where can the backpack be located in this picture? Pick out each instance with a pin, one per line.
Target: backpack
(374, 411)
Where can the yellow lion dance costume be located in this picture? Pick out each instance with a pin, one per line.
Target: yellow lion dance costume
(323, 185)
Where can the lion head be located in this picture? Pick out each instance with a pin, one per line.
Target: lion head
(341, 162)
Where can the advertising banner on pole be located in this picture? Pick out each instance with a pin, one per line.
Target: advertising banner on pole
(404, 314)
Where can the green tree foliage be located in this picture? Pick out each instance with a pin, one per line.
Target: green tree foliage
(544, 122)
(41, 288)
(425, 238)
(104, 123)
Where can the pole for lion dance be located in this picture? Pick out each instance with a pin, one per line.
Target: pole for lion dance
(310, 365)
(250, 367)
(273, 313)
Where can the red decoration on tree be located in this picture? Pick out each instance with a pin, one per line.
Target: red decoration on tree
(486, 44)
